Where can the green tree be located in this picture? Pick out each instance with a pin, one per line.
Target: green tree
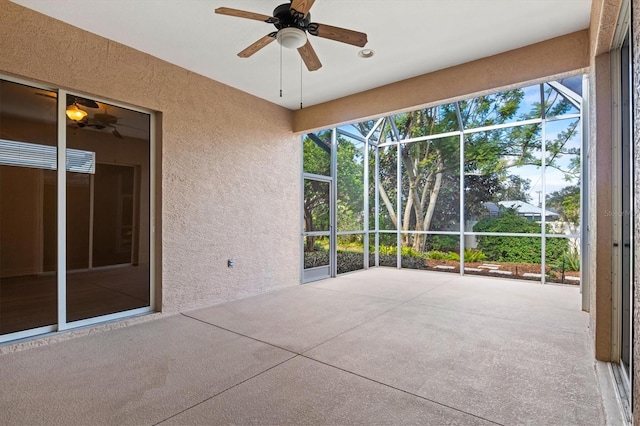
(566, 202)
(316, 160)
(350, 173)
(350, 181)
(514, 188)
(431, 167)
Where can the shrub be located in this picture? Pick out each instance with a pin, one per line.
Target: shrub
(570, 260)
(410, 252)
(387, 250)
(444, 243)
(452, 255)
(515, 249)
(316, 258)
(435, 255)
(349, 261)
(413, 262)
(471, 255)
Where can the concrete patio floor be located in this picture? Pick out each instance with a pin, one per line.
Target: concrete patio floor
(383, 346)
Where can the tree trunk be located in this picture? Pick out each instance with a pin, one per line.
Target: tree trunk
(433, 198)
(390, 208)
(311, 240)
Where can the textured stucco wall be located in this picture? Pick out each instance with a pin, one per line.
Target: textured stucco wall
(230, 184)
(604, 19)
(636, 208)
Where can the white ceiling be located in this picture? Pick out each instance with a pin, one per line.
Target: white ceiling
(409, 37)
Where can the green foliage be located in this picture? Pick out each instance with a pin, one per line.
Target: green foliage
(409, 251)
(514, 188)
(566, 202)
(570, 260)
(508, 221)
(404, 251)
(317, 258)
(444, 242)
(452, 255)
(350, 170)
(515, 249)
(349, 261)
(387, 250)
(351, 243)
(316, 155)
(471, 255)
(350, 180)
(436, 255)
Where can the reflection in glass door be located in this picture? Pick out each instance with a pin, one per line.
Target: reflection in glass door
(75, 229)
(317, 238)
(28, 134)
(108, 229)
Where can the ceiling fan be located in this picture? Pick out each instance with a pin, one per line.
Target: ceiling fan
(292, 21)
(100, 122)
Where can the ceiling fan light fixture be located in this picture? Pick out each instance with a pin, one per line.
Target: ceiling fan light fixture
(74, 113)
(291, 38)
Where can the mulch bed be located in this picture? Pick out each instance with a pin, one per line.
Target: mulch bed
(518, 270)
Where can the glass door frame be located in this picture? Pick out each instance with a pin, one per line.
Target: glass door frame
(63, 324)
(61, 198)
(328, 271)
(623, 204)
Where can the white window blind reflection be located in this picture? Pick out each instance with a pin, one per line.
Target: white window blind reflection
(22, 154)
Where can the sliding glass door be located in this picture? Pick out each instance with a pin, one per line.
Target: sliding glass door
(75, 245)
(28, 135)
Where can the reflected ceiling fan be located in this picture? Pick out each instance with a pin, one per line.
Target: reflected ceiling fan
(81, 119)
(293, 22)
(100, 122)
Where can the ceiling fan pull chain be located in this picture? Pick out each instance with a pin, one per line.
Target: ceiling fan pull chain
(301, 72)
(280, 70)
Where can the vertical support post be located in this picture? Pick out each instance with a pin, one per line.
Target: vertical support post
(462, 216)
(333, 200)
(365, 206)
(399, 205)
(543, 216)
(61, 268)
(377, 207)
(584, 197)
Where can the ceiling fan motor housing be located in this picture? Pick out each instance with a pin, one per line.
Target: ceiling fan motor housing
(287, 20)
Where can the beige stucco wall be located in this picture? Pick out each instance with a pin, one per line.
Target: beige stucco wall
(230, 183)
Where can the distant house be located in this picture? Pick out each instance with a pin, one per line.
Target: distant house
(522, 208)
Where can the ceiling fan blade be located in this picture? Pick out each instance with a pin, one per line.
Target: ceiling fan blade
(342, 35)
(300, 8)
(116, 133)
(87, 103)
(51, 95)
(248, 15)
(309, 57)
(257, 45)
